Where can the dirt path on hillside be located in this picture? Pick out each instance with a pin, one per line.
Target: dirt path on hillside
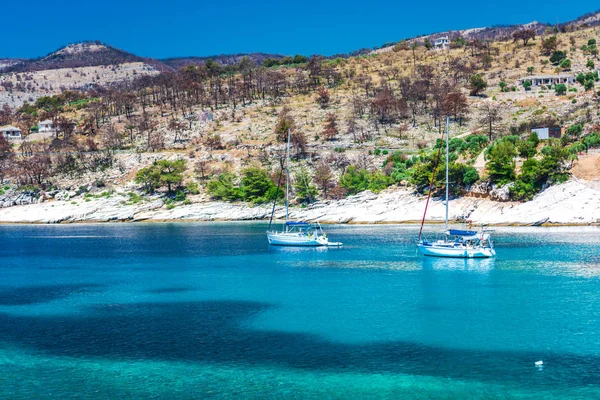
(587, 167)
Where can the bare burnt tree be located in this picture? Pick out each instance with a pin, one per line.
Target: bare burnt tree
(323, 97)
(456, 105)
(490, 112)
(330, 129)
(6, 157)
(323, 177)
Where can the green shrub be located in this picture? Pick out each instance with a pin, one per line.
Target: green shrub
(470, 175)
(356, 180)
(134, 198)
(378, 181)
(477, 84)
(500, 161)
(223, 188)
(192, 187)
(558, 56)
(160, 174)
(528, 148)
(306, 191)
(256, 186)
(179, 195)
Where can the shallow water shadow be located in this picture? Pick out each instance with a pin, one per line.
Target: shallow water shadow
(166, 290)
(216, 332)
(29, 295)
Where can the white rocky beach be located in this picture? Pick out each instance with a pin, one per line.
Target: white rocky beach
(575, 202)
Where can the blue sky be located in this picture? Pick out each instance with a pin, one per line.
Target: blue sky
(184, 27)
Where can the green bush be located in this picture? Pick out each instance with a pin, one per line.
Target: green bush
(477, 84)
(560, 89)
(378, 181)
(500, 161)
(476, 143)
(528, 148)
(306, 191)
(592, 140)
(470, 175)
(356, 180)
(256, 186)
(179, 195)
(557, 56)
(160, 174)
(192, 187)
(223, 187)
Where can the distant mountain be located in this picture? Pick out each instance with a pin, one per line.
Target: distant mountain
(84, 54)
(223, 59)
(89, 54)
(5, 63)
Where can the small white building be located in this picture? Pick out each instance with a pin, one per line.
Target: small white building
(11, 132)
(45, 126)
(441, 43)
(540, 80)
(545, 133)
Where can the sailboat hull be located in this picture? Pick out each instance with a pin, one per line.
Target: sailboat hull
(296, 239)
(431, 250)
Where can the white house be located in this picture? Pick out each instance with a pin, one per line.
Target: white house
(45, 126)
(441, 43)
(11, 132)
(540, 80)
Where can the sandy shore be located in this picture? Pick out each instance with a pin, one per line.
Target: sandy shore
(572, 203)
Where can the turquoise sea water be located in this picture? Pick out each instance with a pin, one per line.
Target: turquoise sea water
(210, 311)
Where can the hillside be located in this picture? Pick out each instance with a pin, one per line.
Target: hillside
(19, 87)
(78, 55)
(361, 123)
(223, 59)
(505, 32)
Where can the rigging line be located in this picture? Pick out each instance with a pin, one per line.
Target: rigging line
(437, 161)
(276, 193)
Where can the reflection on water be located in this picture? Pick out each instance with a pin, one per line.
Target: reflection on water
(482, 265)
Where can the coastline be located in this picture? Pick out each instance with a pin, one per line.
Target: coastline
(574, 203)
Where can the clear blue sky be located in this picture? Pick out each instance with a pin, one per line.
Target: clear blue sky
(184, 27)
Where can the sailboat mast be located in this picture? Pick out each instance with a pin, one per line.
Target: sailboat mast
(447, 158)
(287, 180)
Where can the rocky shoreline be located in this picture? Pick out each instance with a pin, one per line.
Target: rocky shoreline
(575, 202)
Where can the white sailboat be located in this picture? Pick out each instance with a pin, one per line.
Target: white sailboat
(296, 233)
(456, 243)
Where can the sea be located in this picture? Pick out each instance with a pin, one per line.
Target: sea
(210, 310)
